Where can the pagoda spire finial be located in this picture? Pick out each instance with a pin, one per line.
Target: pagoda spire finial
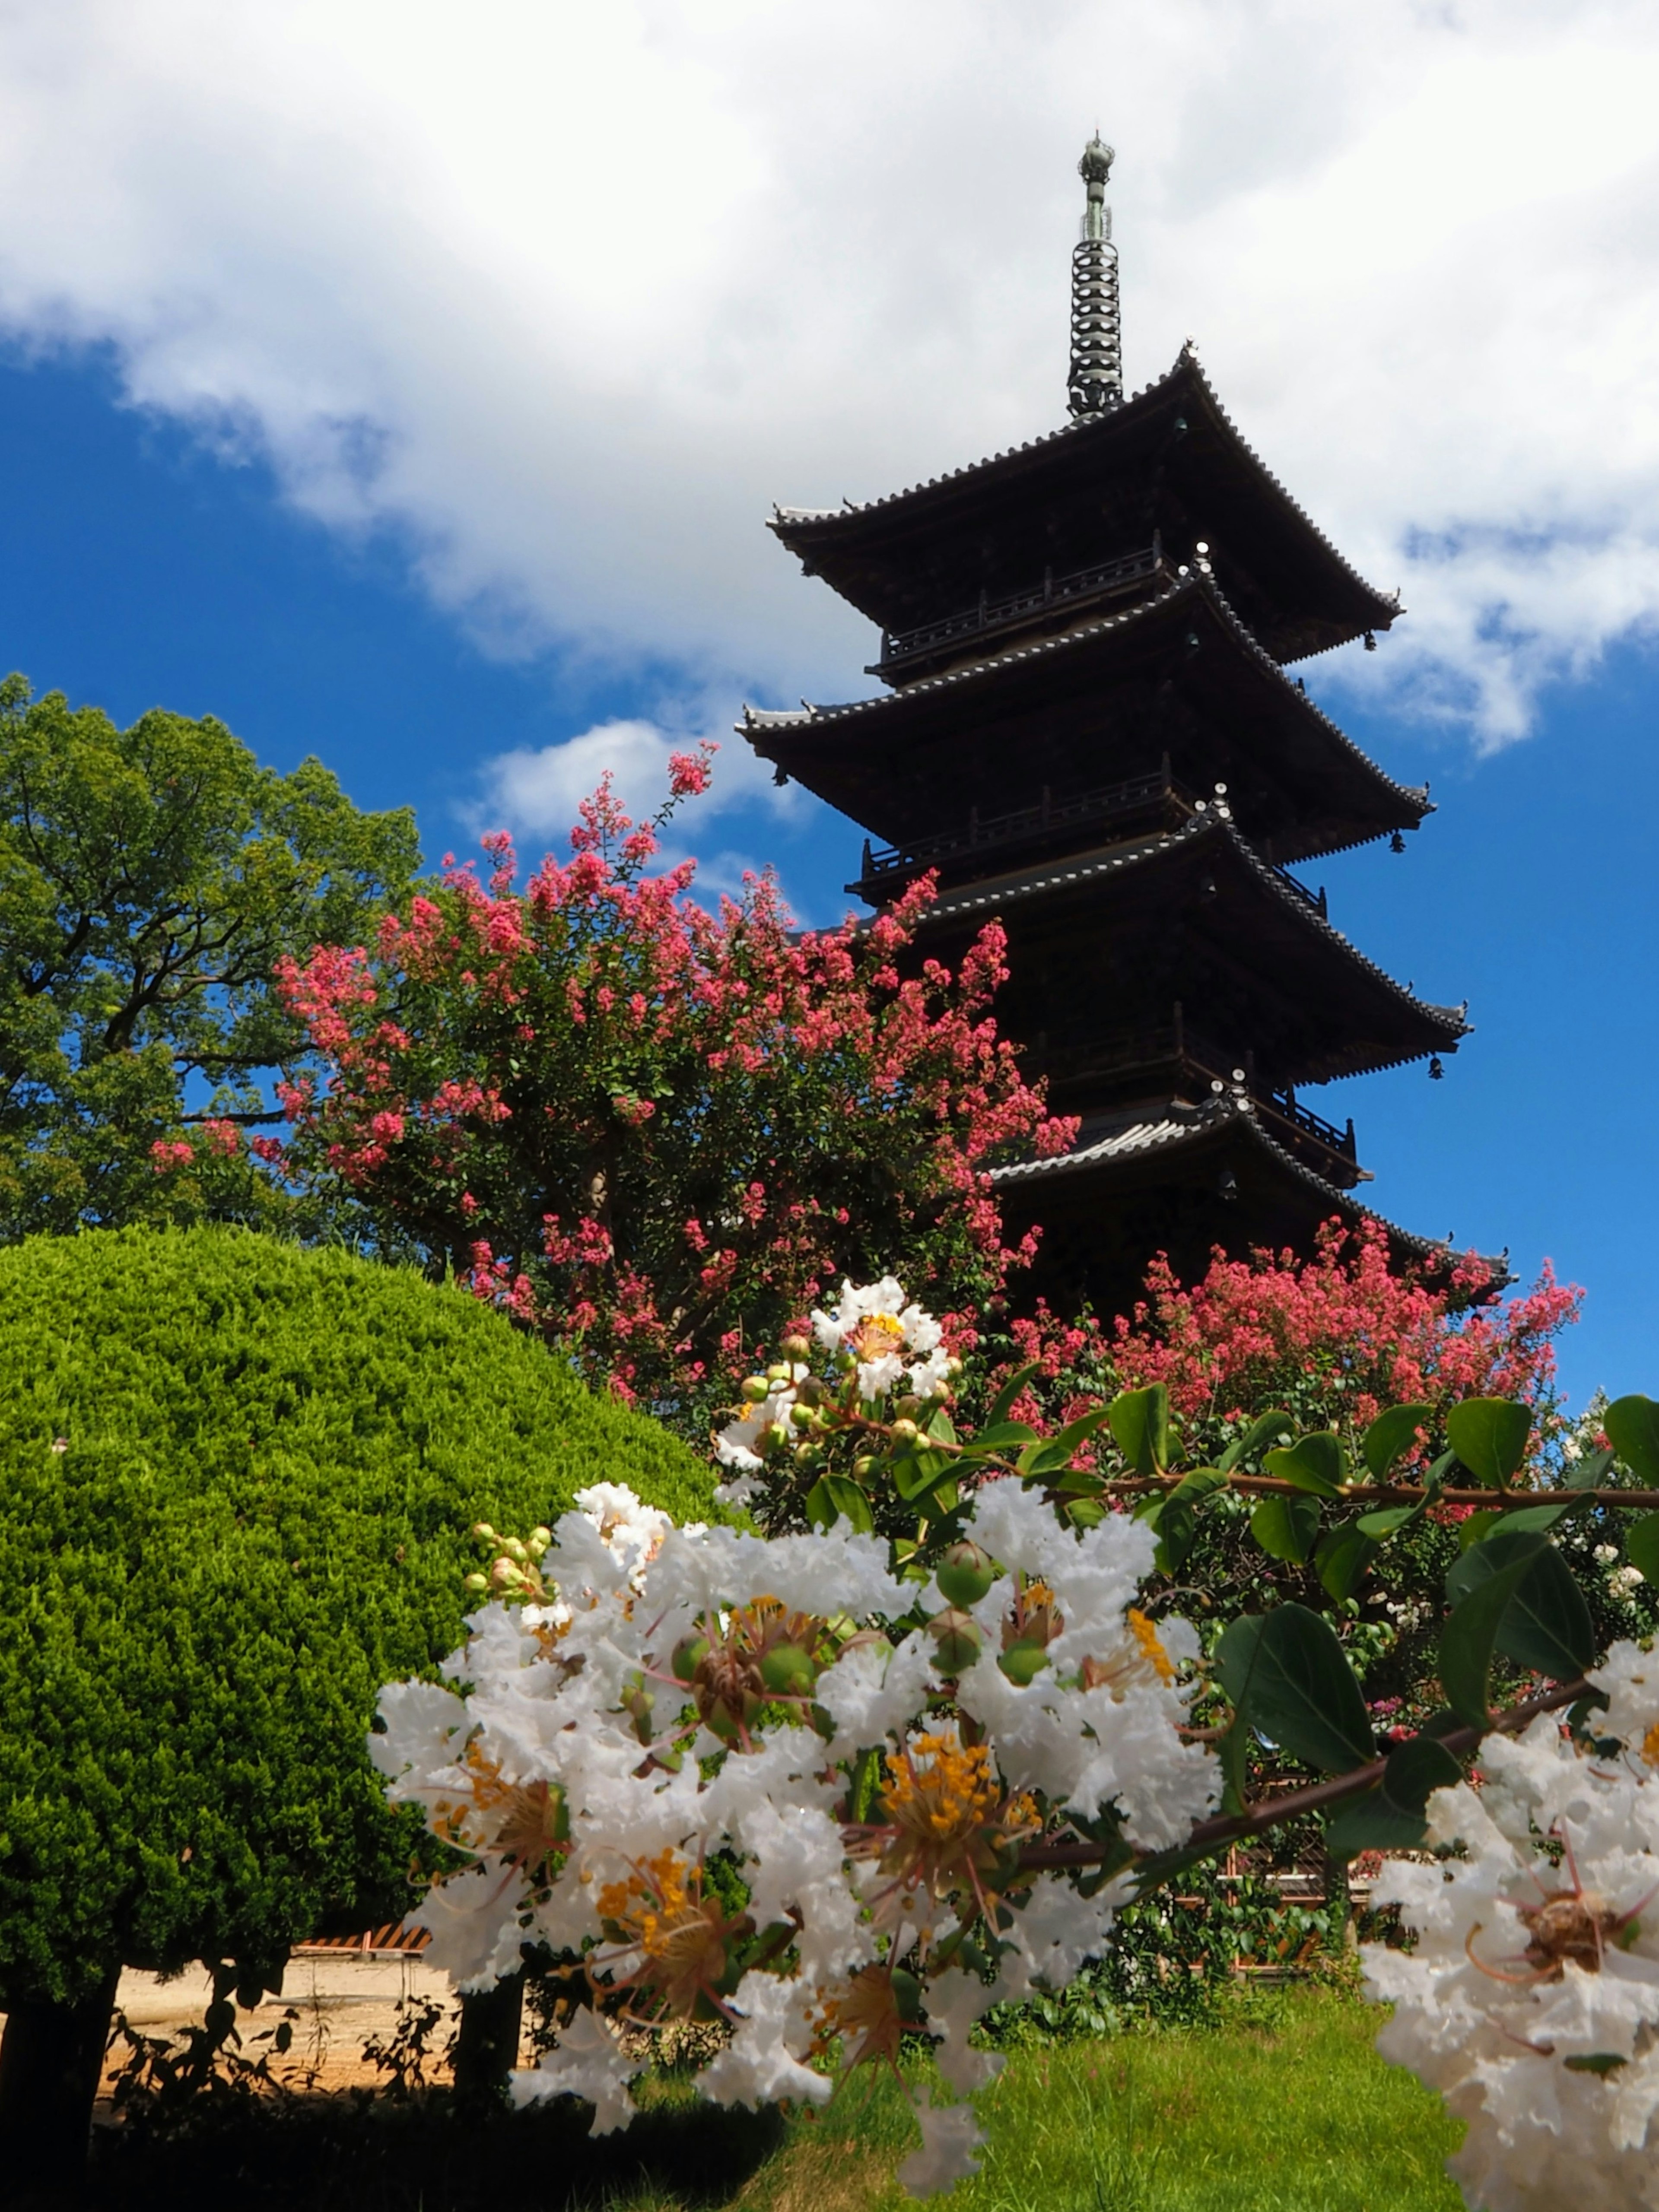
(1095, 380)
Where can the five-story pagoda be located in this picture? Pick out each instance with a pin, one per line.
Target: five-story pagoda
(1089, 734)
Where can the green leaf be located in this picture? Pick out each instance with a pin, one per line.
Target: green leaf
(1343, 1556)
(1140, 1423)
(1477, 1527)
(919, 1471)
(834, 1496)
(1010, 1390)
(1528, 1518)
(1489, 1436)
(1386, 1519)
(1001, 1436)
(1632, 1430)
(1235, 1751)
(1286, 1527)
(1470, 1638)
(1287, 1675)
(1177, 1518)
(1316, 1463)
(1391, 1817)
(1641, 1545)
(1266, 1429)
(1590, 1470)
(1545, 1624)
(1391, 1433)
(941, 1426)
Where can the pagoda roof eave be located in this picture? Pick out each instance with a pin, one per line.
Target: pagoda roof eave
(1177, 1129)
(810, 532)
(1445, 1026)
(791, 738)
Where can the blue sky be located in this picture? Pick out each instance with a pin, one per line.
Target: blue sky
(137, 570)
(411, 389)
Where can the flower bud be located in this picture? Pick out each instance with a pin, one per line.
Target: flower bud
(688, 1655)
(863, 1466)
(812, 1392)
(477, 1582)
(796, 1348)
(801, 1416)
(483, 1532)
(808, 1454)
(906, 1430)
(965, 1573)
(908, 1408)
(756, 1388)
(787, 1671)
(958, 1637)
(1022, 1662)
(780, 1371)
(773, 1436)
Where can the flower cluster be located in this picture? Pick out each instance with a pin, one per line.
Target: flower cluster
(772, 1784)
(1531, 1998)
(653, 1131)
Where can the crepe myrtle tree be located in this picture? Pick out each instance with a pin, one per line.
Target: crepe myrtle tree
(654, 1131)
(835, 1787)
(150, 878)
(236, 1479)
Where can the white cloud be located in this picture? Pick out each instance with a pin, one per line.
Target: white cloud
(537, 794)
(570, 293)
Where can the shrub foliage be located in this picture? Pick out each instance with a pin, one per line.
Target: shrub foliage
(236, 1484)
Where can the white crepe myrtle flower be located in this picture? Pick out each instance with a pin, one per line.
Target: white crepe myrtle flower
(678, 1701)
(1629, 1679)
(738, 1444)
(1531, 1999)
(588, 2062)
(875, 1327)
(951, 2138)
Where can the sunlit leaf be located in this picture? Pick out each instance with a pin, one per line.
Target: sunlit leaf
(1391, 1433)
(1286, 1527)
(1140, 1425)
(1316, 1463)
(1470, 1635)
(1266, 1429)
(1489, 1436)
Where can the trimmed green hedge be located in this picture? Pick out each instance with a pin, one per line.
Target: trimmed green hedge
(273, 1459)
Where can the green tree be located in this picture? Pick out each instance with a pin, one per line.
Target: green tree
(237, 1479)
(150, 878)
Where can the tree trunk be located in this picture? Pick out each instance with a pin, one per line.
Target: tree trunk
(487, 2042)
(50, 2063)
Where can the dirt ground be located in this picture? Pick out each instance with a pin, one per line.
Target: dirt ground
(341, 1998)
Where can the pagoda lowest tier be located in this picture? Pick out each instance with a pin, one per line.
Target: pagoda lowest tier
(1034, 537)
(1090, 738)
(1182, 1179)
(1051, 741)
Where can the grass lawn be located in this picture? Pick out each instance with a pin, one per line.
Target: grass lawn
(1284, 2108)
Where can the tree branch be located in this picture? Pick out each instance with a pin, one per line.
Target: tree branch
(1233, 1828)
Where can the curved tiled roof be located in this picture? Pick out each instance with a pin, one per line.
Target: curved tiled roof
(1197, 585)
(1186, 361)
(1190, 1124)
(1214, 822)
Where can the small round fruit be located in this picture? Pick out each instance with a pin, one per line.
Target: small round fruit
(688, 1655)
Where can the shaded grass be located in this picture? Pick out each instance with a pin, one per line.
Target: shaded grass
(1285, 2108)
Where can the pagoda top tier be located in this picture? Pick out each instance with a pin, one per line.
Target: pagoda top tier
(986, 548)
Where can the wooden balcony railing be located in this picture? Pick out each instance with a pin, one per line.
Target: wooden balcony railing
(1105, 580)
(882, 866)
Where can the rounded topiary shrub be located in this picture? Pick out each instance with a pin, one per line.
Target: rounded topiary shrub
(236, 1483)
